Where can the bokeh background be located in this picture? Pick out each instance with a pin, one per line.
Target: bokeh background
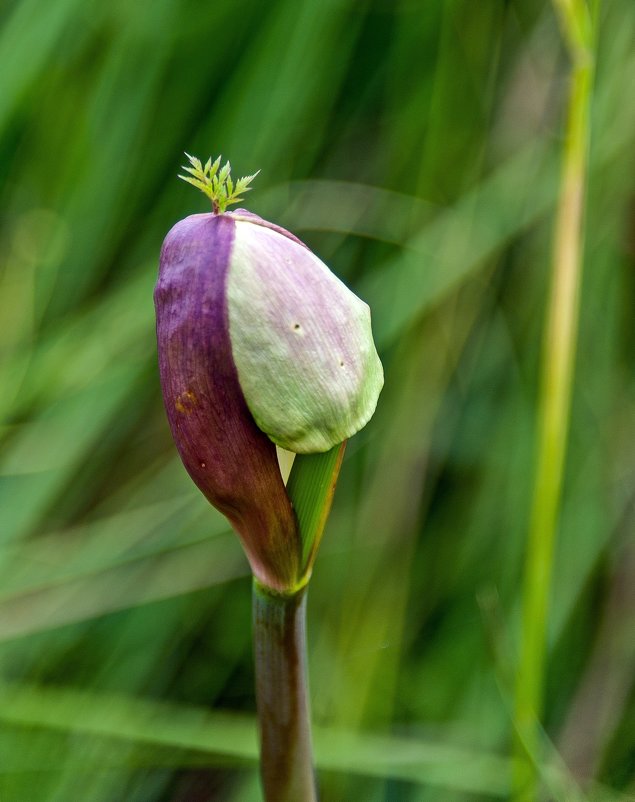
(415, 146)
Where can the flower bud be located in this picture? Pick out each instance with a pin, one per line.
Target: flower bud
(259, 344)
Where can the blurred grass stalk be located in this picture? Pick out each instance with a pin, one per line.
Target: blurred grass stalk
(560, 335)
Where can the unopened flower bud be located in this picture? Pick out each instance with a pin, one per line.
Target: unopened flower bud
(259, 344)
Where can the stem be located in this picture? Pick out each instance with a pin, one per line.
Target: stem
(553, 420)
(286, 763)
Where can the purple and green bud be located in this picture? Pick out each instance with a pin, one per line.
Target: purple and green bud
(259, 344)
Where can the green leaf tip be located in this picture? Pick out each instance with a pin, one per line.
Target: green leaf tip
(311, 487)
(216, 182)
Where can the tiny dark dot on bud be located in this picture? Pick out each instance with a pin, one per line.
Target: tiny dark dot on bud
(341, 364)
(297, 326)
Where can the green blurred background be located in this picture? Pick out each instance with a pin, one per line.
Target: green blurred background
(415, 146)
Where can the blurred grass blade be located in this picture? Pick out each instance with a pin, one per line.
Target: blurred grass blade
(560, 339)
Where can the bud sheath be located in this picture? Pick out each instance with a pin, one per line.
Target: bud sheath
(229, 458)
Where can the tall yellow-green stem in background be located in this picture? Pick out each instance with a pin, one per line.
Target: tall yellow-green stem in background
(579, 25)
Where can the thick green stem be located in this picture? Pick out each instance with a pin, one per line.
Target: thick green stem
(555, 403)
(286, 763)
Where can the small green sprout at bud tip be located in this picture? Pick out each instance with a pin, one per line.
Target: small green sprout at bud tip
(218, 186)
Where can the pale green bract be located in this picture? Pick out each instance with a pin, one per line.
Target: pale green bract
(301, 342)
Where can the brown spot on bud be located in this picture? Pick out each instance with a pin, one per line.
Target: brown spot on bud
(186, 402)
